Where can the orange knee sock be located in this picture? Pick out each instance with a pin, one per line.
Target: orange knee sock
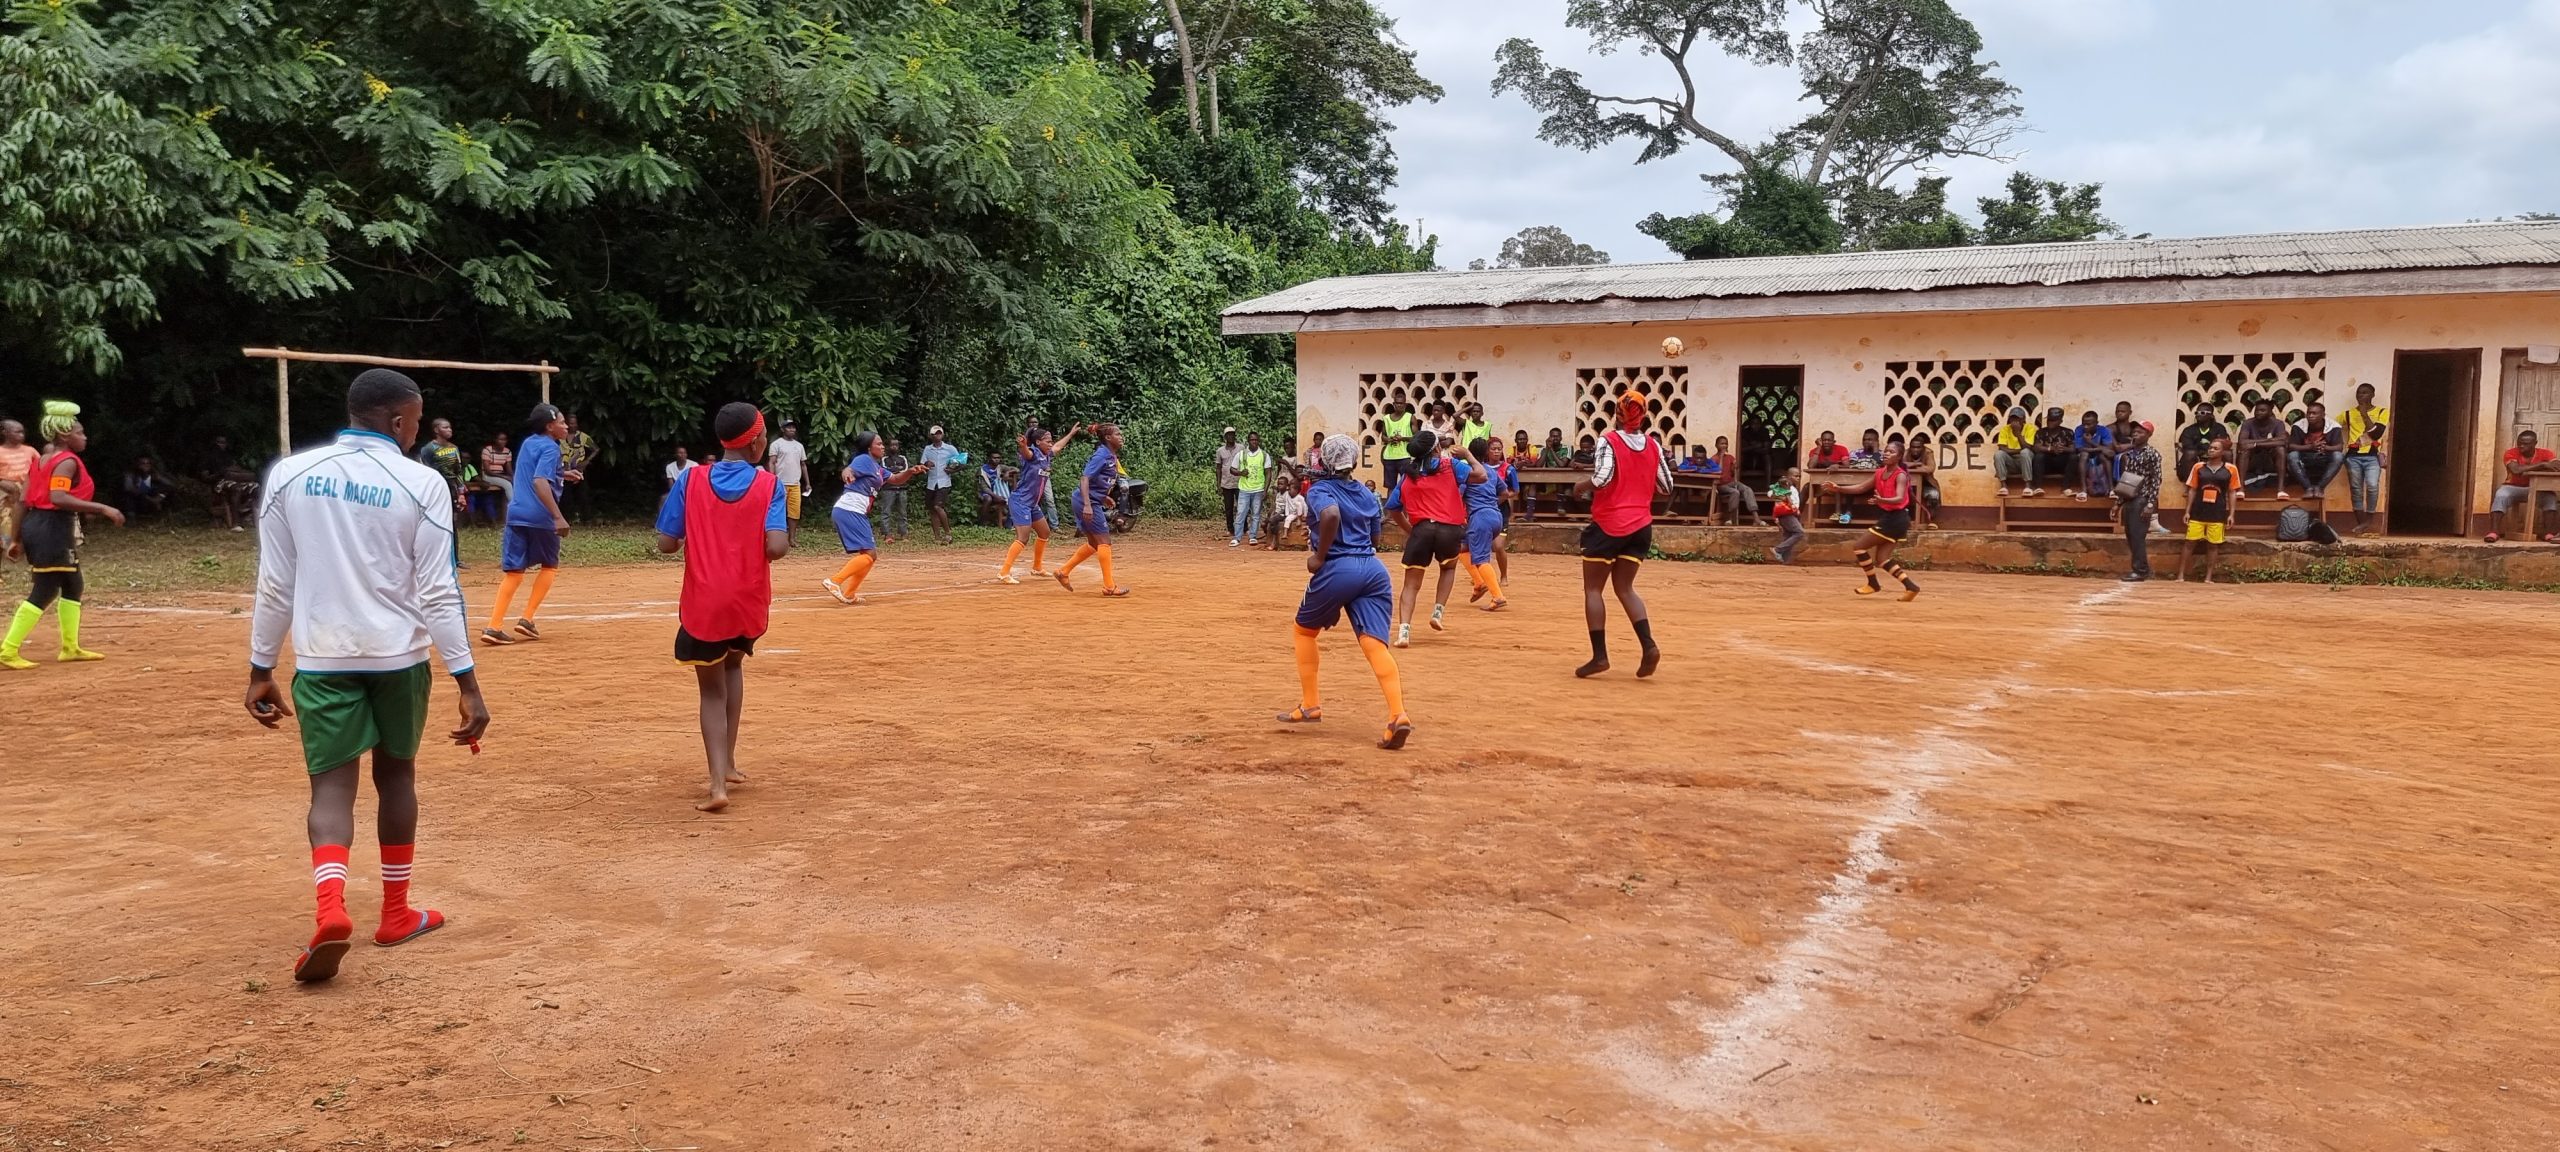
(507, 586)
(1104, 554)
(541, 588)
(1039, 551)
(855, 568)
(1390, 681)
(1308, 697)
(1489, 579)
(1012, 554)
(1082, 552)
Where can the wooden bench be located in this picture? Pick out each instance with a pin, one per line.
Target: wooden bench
(2057, 513)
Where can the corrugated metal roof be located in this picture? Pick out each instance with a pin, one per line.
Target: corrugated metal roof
(2317, 253)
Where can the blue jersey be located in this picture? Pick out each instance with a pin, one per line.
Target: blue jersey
(537, 463)
(1100, 474)
(1484, 490)
(1034, 477)
(868, 478)
(1361, 517)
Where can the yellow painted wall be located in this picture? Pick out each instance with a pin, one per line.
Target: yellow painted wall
(2094, 358)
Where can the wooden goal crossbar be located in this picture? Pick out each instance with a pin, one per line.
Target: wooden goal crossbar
(285, 357)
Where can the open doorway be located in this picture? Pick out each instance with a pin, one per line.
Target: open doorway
(2435, 397)
(1772, 421)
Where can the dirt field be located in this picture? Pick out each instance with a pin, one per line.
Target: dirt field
(2030, 864)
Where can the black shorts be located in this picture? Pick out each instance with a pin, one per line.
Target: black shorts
(698, 652)
(1893, 524)
(937, 498)
(1432, 541)
(1607, 549)
(46, 535)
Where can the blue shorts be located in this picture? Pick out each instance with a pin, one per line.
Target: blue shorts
(526, 547)
(1028, 512)
(1096, 527)
(853, 530)
(1481, 529)
(1354, 584)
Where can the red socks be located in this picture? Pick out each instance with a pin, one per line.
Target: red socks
(329, 878)
(399, 921)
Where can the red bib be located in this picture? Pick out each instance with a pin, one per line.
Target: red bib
(1627, 503)
(728, 584)
(41, 484)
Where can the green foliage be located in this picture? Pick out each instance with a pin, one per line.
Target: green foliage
(862, 213)
(2044, 212)
(1545, 246)
(1770, 213)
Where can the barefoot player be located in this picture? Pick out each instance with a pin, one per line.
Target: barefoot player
(1891, 491)
(355, 561)
(1345, 576)
(1628, 469)
(728, 520)
(1093, 510)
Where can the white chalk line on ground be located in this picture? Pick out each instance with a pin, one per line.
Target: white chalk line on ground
(1765, 1026)
(638, 609)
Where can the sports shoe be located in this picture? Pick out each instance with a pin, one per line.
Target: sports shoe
(76, 656)
(495, 638)
(836, 590)
(1438, 624)
(1404, 635)
(525, 630)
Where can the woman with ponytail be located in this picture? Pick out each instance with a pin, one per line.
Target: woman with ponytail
(58, 492)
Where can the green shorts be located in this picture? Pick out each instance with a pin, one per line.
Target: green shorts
(347, 714)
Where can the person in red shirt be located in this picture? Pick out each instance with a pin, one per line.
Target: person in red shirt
(1891, 487)
(1430, 503)
(728, 520)
(1629, 468)
(2521, 463)
(1828, 452)
(59, 492)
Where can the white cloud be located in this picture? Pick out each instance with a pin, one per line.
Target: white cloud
(2031, 23)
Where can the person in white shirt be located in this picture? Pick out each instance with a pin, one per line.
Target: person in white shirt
(677, 467)
(355, 561)
(789, 461)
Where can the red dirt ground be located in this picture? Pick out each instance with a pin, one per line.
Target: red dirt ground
(2029, 864)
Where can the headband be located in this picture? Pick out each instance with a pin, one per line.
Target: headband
(747, 437)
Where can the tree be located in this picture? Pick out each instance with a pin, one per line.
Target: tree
(1899, 86)
(1544, 246)
(1675, 30)
(1768, 213)
(2044, 212)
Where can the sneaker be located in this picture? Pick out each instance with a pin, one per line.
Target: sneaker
(2158, 528)
(1438, 624)
(1404, 635)
(1232, 542)
(2004, 491)
(2034, 492)
(495, 638)
(836, 590)
(524, 630)
(2134, 577)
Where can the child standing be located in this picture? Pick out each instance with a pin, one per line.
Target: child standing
(863, 480)
(534, 526)
(1344, 575)
(728, 521)
(2212, 485)
(1782, 504)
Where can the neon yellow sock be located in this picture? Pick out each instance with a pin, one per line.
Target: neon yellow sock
(67, 613)
(20, 627)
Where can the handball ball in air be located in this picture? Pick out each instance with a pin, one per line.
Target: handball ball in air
(1672, 347)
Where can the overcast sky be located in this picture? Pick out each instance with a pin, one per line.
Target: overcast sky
(2201, 117)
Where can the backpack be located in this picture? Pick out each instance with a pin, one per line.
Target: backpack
(2293, 525)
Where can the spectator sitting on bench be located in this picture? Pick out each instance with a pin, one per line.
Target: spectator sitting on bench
(1870, 453)
(2097, 450)
(1554, 455)
(1696, 462)
(2263, 437)
(1828, 452)
(2013, 453)
(2199, 434)
(2055, 456)
(1586, 453)
(2319, 450)
(1733, 497)
(2122, 429)
(2521, 463)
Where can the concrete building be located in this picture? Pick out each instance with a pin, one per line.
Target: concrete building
(2457, 328)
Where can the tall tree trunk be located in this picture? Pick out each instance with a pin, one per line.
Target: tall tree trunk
(1190, 67)
(1213, 103)
(1088, 27)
